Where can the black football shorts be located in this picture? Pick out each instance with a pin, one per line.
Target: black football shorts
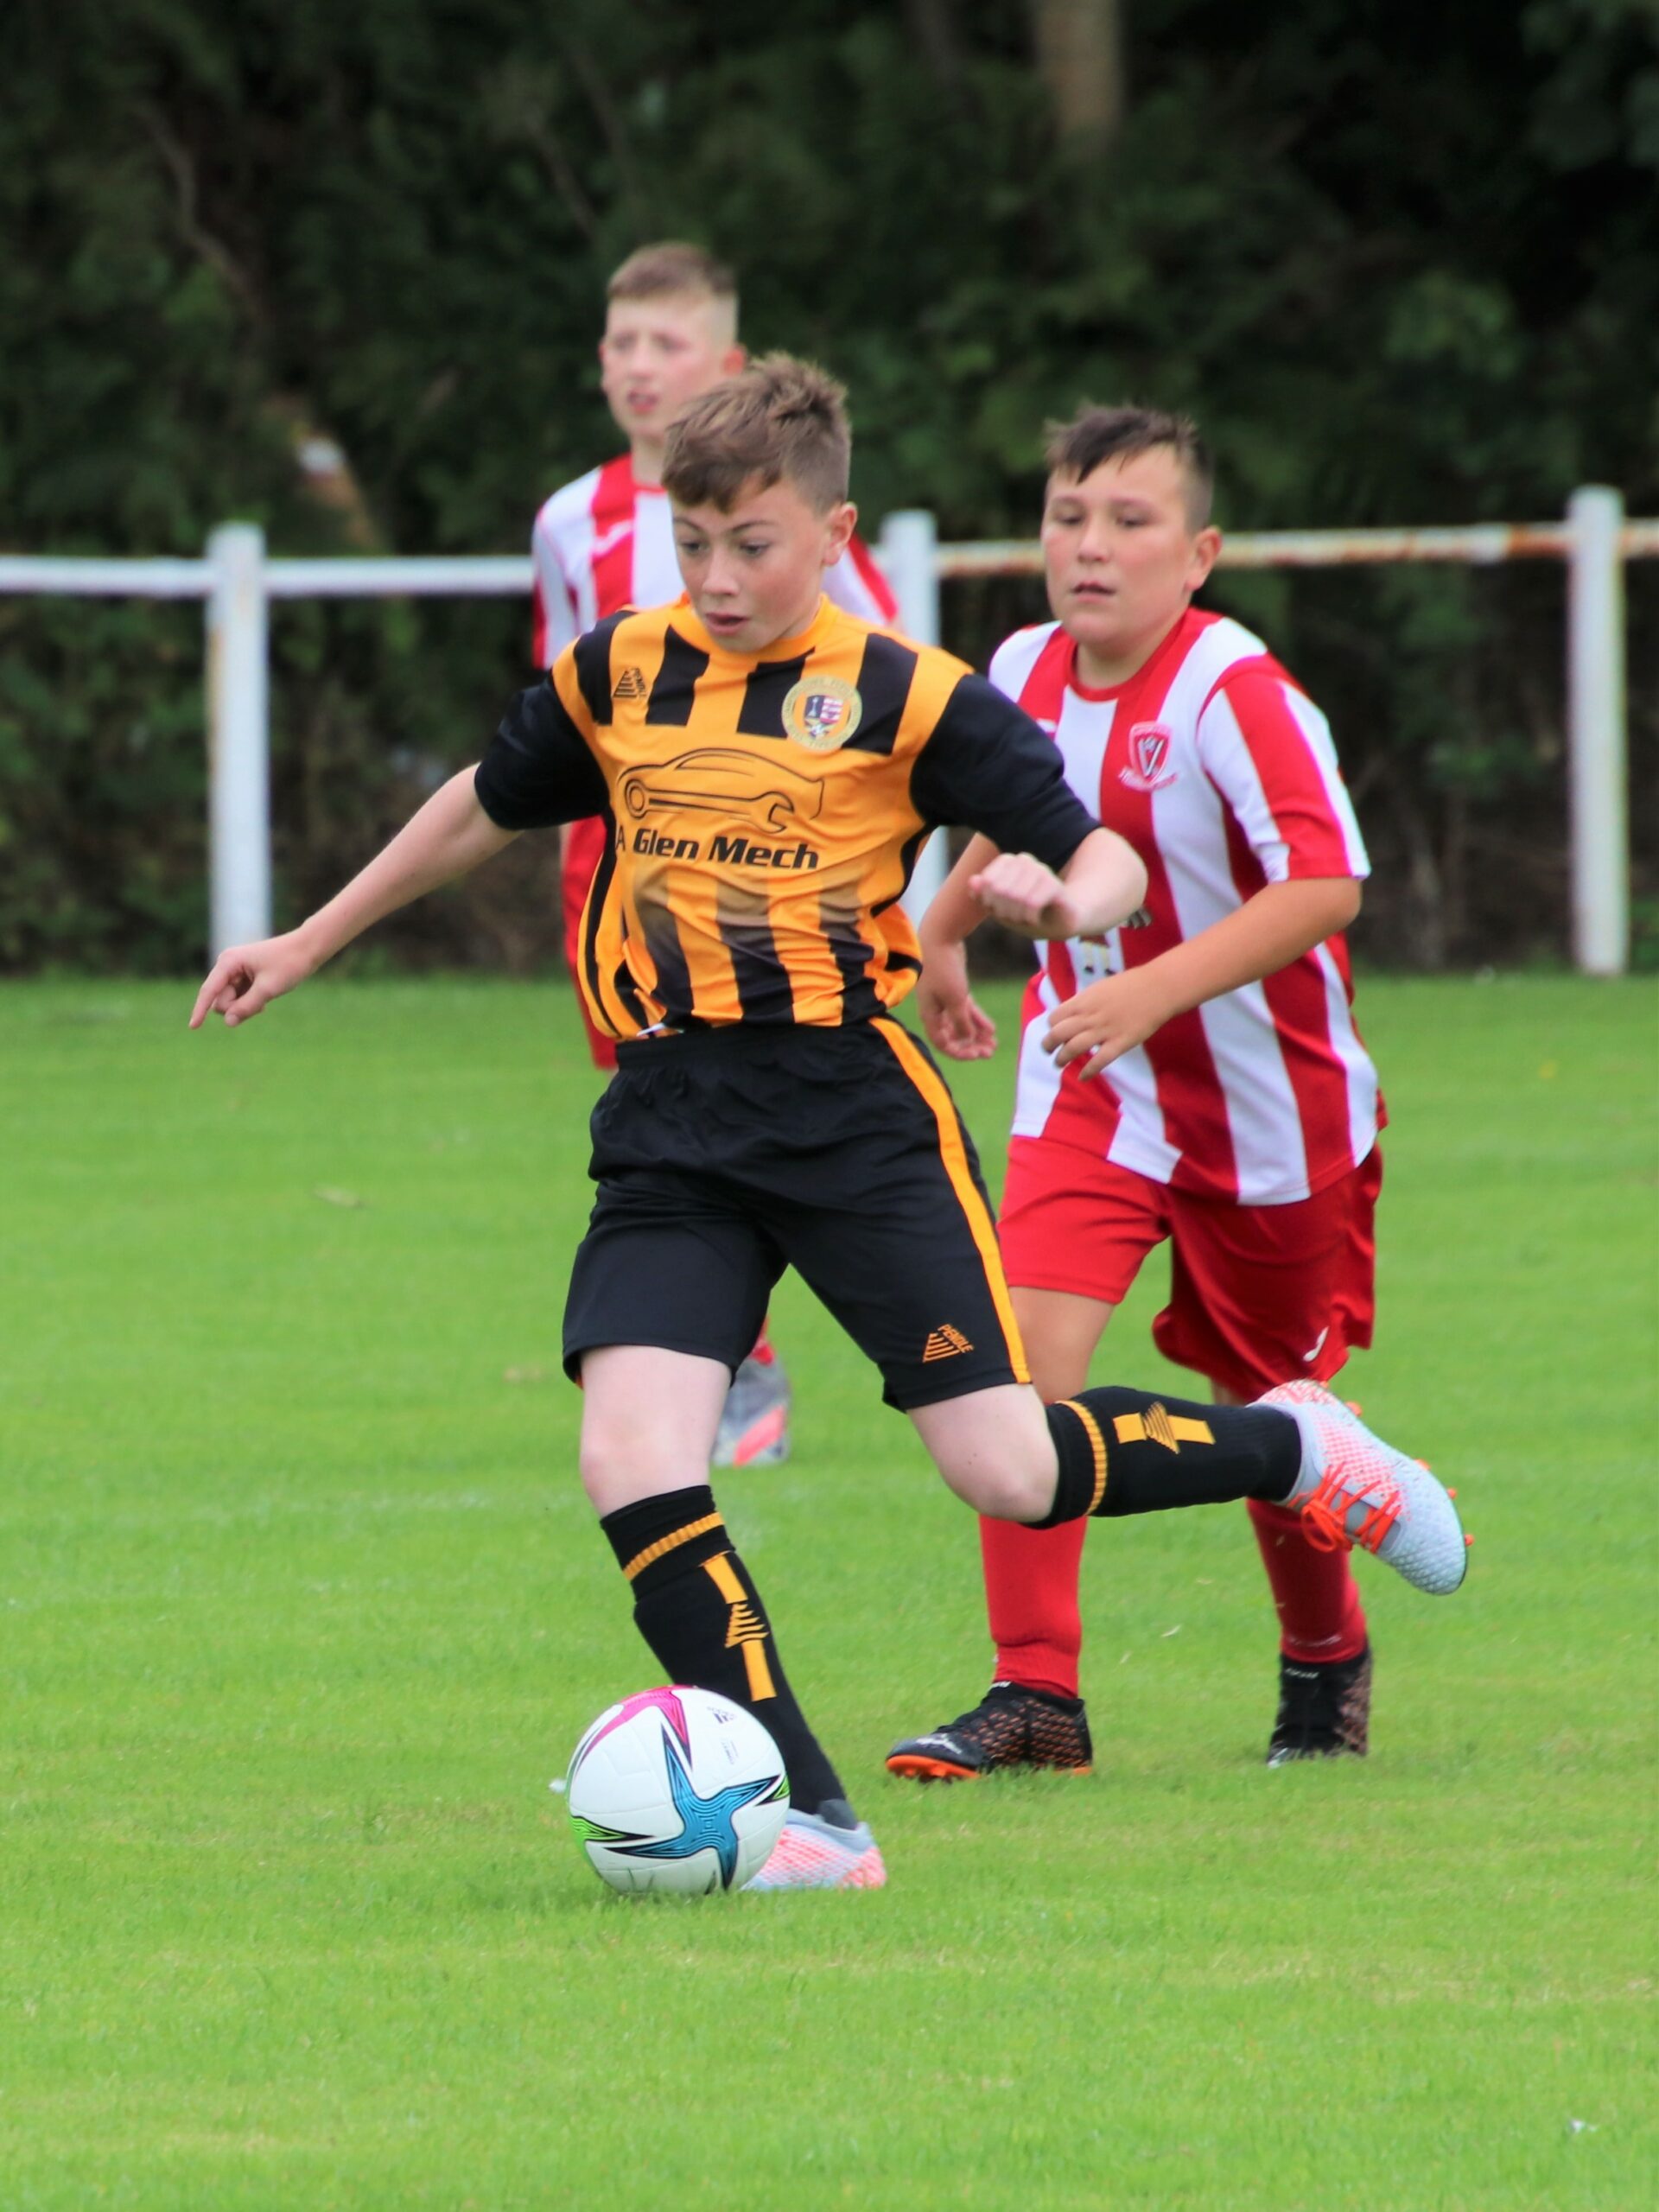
(724, 1156)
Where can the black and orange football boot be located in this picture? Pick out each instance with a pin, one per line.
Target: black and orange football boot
(1010, 1727)
(1325, 1710)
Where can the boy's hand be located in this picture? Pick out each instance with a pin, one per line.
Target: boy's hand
(1019, 891)
(245, 980)
(1107, 1019)
(961, 1029)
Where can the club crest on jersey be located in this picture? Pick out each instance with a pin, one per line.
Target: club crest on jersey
(1148, 769)
(821, 712)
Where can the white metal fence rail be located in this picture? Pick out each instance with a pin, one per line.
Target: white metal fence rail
(238, 582)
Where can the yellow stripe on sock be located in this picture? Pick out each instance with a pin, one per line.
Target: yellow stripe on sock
(663, 1545)
(954, 1155)
(1097, 1445)
(1156, 1426)
(749, 1637)
(723, 1575)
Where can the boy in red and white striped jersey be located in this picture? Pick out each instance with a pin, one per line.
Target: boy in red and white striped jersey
(1198, 1078)
(605, 541)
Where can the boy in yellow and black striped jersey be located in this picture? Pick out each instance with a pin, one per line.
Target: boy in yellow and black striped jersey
(770, 767)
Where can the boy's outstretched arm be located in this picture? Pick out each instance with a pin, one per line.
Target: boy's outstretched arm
(451, 834)
(1100, 886)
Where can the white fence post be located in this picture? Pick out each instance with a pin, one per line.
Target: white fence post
(1601, 854)
(239, 746)
(909, 549)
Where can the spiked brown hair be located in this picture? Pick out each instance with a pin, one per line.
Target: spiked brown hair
(778, 418)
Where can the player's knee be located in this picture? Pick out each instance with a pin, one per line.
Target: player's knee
(994, 1449)
(1007, 1491)
(1027, 1496)
(621, 1461)
(648, 1422)
(600, 1467)
(618, 1464)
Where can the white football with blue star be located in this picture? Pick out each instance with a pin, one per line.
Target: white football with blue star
(676, 1790)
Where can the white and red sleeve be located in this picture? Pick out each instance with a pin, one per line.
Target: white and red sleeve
(856, 583)
(1267, 749)
(553, 607)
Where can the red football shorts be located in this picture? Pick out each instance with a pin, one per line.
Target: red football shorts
(583, 850)
(1259, 1295)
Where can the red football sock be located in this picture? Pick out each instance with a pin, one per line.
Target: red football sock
(1030, 1594)
(1320, 1617)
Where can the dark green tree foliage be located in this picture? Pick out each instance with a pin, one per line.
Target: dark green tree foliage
(1400, 259)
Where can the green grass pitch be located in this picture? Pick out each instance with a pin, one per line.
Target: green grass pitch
(301, 1607)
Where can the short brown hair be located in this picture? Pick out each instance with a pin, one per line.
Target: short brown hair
(777, 418)
(1097, 435)
(672, 266)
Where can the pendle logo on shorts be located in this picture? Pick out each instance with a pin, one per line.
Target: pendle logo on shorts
(631, 684)
(1149, 769)
(821, 712)
(945, 1344)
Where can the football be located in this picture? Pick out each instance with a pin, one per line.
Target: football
(678, 1791)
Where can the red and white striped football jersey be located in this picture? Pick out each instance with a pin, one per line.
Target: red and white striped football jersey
(1220, 772)
(607, 541)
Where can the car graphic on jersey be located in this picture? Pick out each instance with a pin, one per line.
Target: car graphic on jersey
(718, 780)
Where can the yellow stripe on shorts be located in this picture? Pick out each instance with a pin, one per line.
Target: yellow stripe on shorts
(954, 1153)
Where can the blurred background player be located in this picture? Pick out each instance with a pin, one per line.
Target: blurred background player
(1199, 1078)
(607, 541)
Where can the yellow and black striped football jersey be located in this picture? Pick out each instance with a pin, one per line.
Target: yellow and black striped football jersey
(764, 811)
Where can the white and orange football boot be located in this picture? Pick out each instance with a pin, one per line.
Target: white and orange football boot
(1355, 1489)
(812, 1853)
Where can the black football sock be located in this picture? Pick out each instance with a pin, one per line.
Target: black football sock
(1128, 1451)
(697, 1609)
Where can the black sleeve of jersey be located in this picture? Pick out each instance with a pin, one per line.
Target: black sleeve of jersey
(987, 764)
(538, 769)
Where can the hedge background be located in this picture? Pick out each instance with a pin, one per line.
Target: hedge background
(1400, 258)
